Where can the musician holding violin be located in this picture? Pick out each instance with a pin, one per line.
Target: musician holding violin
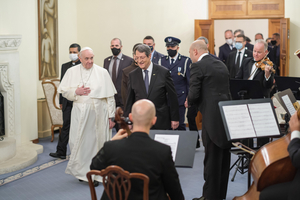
(258, 68)
(288, 190)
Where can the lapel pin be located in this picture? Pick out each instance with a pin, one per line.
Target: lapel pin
(109, 59)
(246, 55)
(122, 59)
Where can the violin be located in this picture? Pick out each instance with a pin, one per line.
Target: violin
(263, 62)
(270, 165)
(122, 121)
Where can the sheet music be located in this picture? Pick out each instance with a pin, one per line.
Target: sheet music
(171, 140)
(263, 119)
(288, 104)
(238, 121)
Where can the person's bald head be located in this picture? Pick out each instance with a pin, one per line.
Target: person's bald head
(143, 114)
(197, 48)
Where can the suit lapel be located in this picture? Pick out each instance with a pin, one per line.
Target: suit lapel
(152, 80)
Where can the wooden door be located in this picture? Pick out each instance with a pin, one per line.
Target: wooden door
(274, 27)
(204, 28)
(284, 46)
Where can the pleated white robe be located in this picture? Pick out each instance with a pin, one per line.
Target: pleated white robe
(90, 115)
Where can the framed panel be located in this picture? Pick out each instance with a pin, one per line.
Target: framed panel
(265, 8)
(227, 9)
(48, 39)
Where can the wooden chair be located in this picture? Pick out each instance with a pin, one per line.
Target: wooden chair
(52, 100)
(117, 181)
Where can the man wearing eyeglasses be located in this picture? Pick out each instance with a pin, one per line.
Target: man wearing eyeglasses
(153, 82)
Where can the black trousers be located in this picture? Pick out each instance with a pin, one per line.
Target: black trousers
(191, 115)
(216, 169)
(276, 192)
(63, 140)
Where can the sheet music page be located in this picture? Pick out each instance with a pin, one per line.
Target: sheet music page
(238, 121)
(263, 119)
(171, 140)
(288, 104)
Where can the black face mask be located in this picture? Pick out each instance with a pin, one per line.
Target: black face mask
(273, 42)
(172, 53)
(115, 51)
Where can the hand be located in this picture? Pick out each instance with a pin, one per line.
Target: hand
(83, 91)
(268, 71)
(130, 127)
(294, 123)
(186, 104)
(174, 124)
(60, 105)
(120, 135)
(111, 124)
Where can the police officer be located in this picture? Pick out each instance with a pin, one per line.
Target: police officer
(179, 67)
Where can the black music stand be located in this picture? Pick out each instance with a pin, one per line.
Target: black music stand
(245, 89)
(293, 83)
(231, 132)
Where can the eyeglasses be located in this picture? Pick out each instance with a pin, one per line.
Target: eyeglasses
(139, 58)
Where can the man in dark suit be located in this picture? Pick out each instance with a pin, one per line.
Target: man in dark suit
(226, 48)
(66, 105)
(139, 153)
(248, 70)
(288, 190)
(236, 57)
(155, 56)
(207, 44)
(238, 32)
(209, 84)
(179, 67)
(115, 64)
(274, 49)
(153, 82)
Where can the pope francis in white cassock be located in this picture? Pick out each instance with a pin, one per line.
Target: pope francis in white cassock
(92, 91)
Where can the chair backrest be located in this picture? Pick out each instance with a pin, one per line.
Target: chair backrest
(50, 95)
(116, 182)
(56, 83)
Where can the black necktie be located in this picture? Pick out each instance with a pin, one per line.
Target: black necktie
(146, 80)
(237, 64)
(172, 61)
(114, 71)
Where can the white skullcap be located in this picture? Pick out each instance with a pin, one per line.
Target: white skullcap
(86, 48)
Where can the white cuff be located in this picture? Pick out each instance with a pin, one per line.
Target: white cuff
(267, 78)
(295, 134)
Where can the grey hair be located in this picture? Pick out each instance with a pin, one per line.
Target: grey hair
(263, 42)
(239, 30)
(228, 30)
(142, 48)
(117, 39)
(203, 38)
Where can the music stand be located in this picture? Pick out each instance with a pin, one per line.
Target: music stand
(245, 89)
(293, 83)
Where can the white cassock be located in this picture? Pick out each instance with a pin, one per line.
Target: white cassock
(90, 115)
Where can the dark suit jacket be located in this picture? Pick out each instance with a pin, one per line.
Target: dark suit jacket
(249, 46)
(245, 72)
(209, 84)
(214, 56)
(233, 70)
(139, 153)
(294, 152)
(124, 62)
(161, 89)
(224, 51)
(64, 68)
(156, 57)
(125, 78)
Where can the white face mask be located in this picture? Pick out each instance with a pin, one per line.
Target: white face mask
(73, 56)
(229, 41)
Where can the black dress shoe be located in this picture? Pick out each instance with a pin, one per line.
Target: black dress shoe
(80, 180)
(96, 183)
(56, 155)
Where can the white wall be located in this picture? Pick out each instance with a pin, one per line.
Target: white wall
(13, 20)
(292, 12)
(132, 20)
(250, 27)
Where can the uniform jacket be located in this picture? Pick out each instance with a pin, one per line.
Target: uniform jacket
(180, 73)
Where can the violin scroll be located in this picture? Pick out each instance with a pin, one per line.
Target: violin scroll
(122, 121)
